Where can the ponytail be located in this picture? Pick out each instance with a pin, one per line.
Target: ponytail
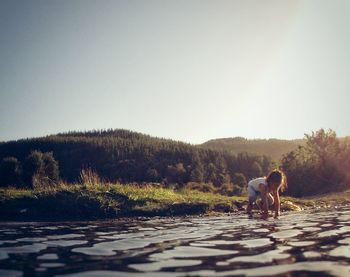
(284, 181)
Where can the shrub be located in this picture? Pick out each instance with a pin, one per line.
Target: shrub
(203, 187)
(88, 177)
(40, 170)
(231, 189)
(10, 172)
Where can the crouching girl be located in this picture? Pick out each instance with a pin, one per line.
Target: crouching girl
(264, 191)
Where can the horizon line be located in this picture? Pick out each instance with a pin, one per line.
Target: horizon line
(147, 134)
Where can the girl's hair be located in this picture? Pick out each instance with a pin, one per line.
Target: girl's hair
(277, 177)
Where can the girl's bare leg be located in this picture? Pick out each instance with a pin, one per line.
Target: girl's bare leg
(249, 208)
(259, 204)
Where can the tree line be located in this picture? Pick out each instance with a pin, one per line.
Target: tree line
(123, 156)
(319, 165)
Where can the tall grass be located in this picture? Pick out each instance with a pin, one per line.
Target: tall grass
(91, 180)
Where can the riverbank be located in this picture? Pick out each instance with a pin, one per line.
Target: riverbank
(101, 201)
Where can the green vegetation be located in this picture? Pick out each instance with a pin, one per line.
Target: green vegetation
(320, 166)
(83, 175)
(274, 148)
(104, 200)
(122, 156)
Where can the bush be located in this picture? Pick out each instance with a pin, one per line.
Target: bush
(203, 187)
(10, 172)
(231, 189)
(40, 170)
(239, 179)
(88, 177)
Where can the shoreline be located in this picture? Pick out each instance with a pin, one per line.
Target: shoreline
(129, 202)
(34, 221)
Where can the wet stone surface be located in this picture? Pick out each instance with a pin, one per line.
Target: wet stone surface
(310, 243)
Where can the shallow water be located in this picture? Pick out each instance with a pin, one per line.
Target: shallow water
(311, 243)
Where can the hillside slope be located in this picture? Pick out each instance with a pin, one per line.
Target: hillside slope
(126, 156)
(275, 148)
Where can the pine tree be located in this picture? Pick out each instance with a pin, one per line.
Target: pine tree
(10, 171)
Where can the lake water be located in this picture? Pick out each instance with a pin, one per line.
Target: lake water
(311, 243)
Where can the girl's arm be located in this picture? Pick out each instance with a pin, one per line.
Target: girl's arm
(276, 197)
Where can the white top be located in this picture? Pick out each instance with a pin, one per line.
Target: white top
(256, 182)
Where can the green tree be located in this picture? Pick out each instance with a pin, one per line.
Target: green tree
(10, 172)
(321, 144)
(176, 173)
(197, 175)
(315, 167)
(40, 169)
(222, 178)
(51, 168)
(239, 179)
(197, 172)
(256, 170)
(33, 166)
(152, 175)
(211, 173)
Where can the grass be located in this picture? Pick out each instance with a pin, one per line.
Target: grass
(105, 200)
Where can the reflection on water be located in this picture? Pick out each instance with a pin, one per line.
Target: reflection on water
(316, 242)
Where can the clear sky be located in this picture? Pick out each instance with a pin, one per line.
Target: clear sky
(183, 69)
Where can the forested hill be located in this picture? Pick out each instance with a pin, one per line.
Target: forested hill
(125, 156)
(275, 148)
